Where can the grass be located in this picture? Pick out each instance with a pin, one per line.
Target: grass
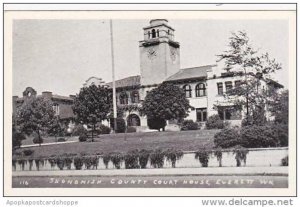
(184, 140)
(28, 140)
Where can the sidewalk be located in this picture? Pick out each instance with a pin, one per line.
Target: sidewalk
(45, 144)
(162, 172)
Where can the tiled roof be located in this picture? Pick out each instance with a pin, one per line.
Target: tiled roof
(62, 97)
(125, 82)
(190, 73)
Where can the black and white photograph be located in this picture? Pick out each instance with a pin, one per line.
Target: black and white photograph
(146, 102)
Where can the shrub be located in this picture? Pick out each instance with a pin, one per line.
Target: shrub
(82, 138)
(79, 130)
(106, 159)
(17, 139)
(132, 160)
(78, 162)
(157, 158)
(144, 158)
(87, 161)
(28, 152)
(37, 140)
(259, 136)
(156, 123)
(52, 160)
(189, 125)
(60, 162)
(240, 155)
(39, 162)
(121, 125)
(219, 155)
(285, 161)
(131, 129)
(173, 155)
(104, 129)
(116, 158)
(215, 122)
(226, 138)
(281, 131)
(203, 156)
(61, 139)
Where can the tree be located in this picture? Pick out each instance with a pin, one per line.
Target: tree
(243, 60)
(165, 102)
(56, 129)
(92, 105)
(35, 115)
(279, 107)
(17, 137)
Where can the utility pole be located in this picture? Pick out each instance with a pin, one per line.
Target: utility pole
(113, 76)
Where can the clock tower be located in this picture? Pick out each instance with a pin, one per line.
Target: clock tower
(159, 53)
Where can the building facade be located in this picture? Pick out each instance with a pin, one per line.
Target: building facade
(204, 86)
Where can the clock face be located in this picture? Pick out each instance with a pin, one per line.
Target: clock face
(173, 54)
(151, 53)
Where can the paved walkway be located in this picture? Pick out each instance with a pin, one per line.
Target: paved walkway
(45, 144)
(162, 172)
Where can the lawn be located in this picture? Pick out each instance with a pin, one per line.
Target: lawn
(184, 140)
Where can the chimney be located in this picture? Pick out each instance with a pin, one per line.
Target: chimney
(47, 94)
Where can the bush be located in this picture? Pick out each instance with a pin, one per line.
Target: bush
(226, 138)
(106, 159)
(28, 152)
(52, 160)
(79, 130)
(78, 162)
(173, 155)
(259, 136)
(157, 158)
(215, 122)
(132, 160)
(189, 125)
(121, 125)
(60, 162)
(281, 131)
(37, 140)
(61, 139)
(219, 155)
(240, 155)
(157, 124)
(82, 138)
(203, 156)
(285, 161)
(144, 158)
(104, 129)
(17, 139)
(131, 129)
(116, 158)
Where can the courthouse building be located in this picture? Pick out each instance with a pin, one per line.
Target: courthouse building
(204, 86)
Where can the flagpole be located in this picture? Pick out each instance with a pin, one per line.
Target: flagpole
(113, 76)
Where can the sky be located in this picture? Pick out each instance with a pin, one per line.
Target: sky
(60, 55)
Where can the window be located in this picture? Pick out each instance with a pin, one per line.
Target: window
(237, 83)
(157, 33)
(200, 90)
(229, 113)
(153, 33)
(228, 85)
(123, 98)
(220, 88)
(134, 96)
(56, 109)
(188, 91)
(201, 114)
(149, 34)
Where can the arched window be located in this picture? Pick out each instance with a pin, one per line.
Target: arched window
(134, 96)
(149, 34)
(123, 98)
(157, 33)
(200, 90)
(188, 91)
(153, 33)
